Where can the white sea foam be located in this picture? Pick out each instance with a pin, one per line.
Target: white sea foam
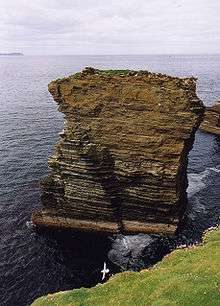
(30, 224)
(215, 170)
(197, 181)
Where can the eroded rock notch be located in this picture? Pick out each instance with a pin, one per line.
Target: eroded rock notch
(120, 163)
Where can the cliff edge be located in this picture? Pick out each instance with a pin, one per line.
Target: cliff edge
(121, 161)
(188, 276)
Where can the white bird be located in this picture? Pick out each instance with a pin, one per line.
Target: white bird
(104, 271)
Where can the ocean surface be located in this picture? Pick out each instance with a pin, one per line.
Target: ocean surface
(31, 263)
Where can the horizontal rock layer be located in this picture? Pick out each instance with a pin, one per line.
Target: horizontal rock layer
(211, 123)
(120, 163)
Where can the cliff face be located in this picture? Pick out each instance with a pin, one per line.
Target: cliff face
(120, 163)
(211, 123)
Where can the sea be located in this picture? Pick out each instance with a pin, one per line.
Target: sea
(35, 263)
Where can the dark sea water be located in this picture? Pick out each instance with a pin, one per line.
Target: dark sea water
(33, 264)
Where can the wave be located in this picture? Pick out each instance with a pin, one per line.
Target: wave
(198, 181)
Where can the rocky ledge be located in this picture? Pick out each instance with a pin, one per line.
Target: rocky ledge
(211, 123)
(121, 160)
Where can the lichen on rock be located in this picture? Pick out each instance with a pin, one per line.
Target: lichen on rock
(120, 164)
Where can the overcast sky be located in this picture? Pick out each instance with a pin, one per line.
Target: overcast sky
(110, 26)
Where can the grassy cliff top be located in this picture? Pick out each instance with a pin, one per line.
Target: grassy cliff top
(188, 276)
(88, 72)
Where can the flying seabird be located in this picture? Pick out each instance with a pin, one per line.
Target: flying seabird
(104, 271)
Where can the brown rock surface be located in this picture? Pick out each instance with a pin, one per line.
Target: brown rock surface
(211, 122)
(120, 163)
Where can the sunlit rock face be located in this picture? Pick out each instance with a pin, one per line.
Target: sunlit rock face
(211, 123)
(120, 163)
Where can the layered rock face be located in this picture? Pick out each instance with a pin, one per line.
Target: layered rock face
(211, 123)
(120, 163)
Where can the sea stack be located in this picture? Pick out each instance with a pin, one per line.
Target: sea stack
(121, 161)
(211, 123)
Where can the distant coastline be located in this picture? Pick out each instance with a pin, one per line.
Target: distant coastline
(12, 54)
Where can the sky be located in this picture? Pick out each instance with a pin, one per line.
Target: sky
(47, 27)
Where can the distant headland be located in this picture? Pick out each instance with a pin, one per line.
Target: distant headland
(12, 54)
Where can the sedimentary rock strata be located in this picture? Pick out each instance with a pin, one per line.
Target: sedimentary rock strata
(120, 163)
(211, 123)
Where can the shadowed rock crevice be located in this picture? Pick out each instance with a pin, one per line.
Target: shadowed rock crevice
(120, 163)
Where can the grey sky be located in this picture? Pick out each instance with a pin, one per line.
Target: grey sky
(110, 26)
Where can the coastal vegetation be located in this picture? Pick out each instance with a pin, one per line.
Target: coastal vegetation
(188, 276)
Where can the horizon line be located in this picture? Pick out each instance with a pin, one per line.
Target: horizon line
(121, 54)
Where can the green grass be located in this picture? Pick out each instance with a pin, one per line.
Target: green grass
(185, 277)
(110, 72)
(116, 72)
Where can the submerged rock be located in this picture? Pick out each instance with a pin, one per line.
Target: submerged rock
(211, 122)
(120, 164)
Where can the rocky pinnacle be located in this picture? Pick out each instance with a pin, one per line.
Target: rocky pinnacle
(120, 164)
